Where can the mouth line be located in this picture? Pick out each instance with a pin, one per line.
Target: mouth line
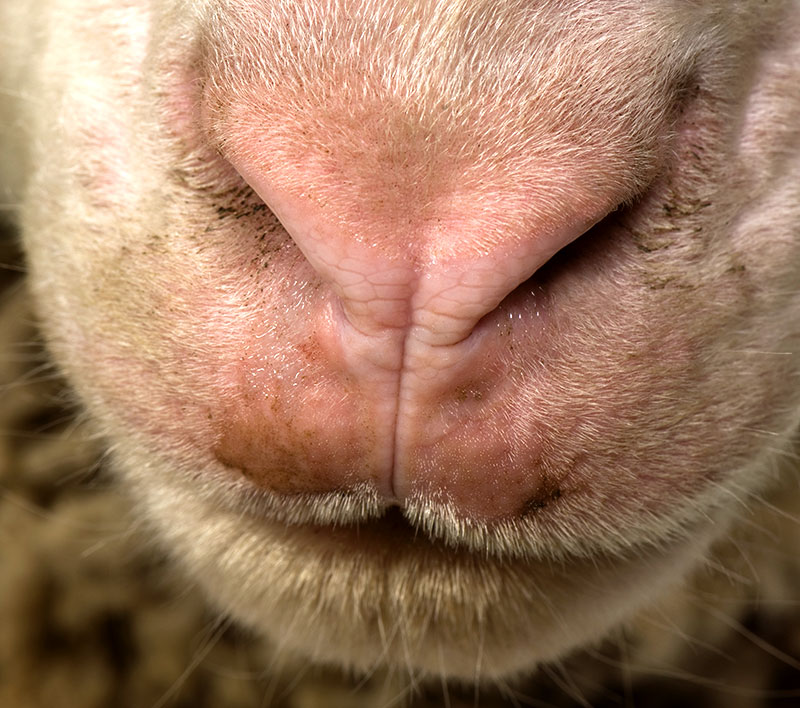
(397, 535)
(360, 518)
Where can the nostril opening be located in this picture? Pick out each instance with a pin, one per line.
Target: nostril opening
(529, 302)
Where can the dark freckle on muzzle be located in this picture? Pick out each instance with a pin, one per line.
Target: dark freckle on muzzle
(543, 498)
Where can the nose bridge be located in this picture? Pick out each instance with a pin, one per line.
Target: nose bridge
(437, 274)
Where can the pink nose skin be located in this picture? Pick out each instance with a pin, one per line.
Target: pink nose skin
(433, 281)
(409, 396)
(406, 296)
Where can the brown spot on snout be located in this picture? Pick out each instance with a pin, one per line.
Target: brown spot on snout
(543, 498)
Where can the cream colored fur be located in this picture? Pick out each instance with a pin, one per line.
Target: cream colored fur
(118, 189)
